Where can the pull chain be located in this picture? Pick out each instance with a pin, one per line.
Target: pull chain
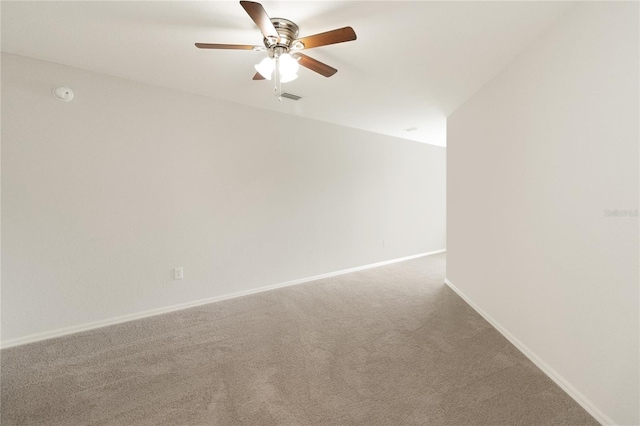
(275, 82)
(278, 87)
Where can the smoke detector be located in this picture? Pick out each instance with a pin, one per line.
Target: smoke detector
(63, 93)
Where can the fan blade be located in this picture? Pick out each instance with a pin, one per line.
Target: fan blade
(330, 37)
(226, 46)
(315, 65)
(258, 76)
(260, 17)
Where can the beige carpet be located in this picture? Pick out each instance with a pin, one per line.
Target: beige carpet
(386, 346)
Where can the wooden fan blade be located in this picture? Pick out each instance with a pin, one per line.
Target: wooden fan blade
(258, 76)
(315, 65)
(260, 17)
(330, 37)
(225, 46)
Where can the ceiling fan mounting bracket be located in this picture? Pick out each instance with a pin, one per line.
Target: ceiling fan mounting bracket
(288, 32)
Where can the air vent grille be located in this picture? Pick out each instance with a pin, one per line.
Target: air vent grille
(291, 96)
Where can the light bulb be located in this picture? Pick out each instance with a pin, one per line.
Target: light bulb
(288, 68)
(266, 67)
(288, 65)
(288, 77)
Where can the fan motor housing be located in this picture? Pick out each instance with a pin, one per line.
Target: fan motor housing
(288, 32)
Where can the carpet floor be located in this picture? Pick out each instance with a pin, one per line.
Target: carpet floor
(386, 346)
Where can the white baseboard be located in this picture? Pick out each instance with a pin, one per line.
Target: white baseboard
(553, 375)
(139, 315)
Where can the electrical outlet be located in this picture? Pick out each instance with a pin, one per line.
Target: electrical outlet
(178, 273)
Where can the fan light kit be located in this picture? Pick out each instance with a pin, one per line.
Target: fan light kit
(283, 45)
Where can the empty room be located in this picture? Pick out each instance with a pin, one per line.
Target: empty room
(371, 213)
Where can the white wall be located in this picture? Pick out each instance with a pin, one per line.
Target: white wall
(534, 159)
(104, 195)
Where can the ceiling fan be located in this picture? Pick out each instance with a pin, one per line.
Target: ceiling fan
(283, 45)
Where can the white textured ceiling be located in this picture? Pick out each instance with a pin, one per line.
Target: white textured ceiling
(412, 65)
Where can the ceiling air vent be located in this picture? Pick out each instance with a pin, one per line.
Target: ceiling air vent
(291, 96)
